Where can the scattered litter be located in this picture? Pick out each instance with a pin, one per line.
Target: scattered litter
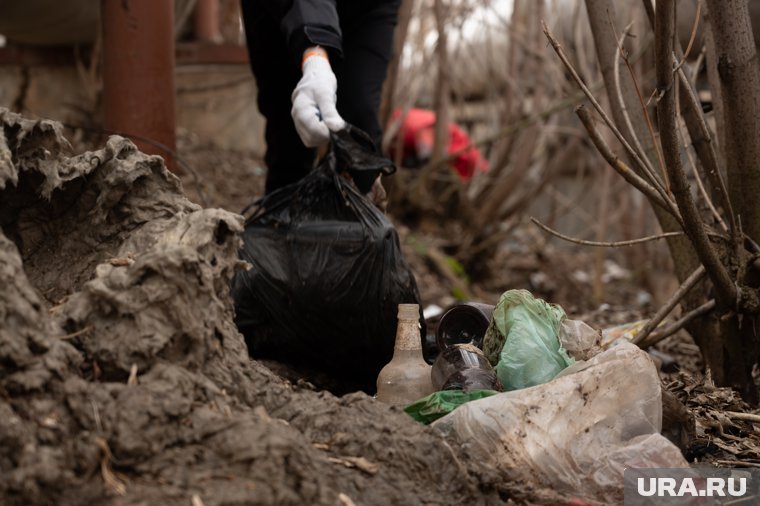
(463, 367)
(432, 311)
(464, 323)
(614, 272)
(576, 433)
(522, 340)
(620, 333)
(439, 404)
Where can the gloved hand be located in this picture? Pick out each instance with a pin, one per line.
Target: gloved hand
(314, 112)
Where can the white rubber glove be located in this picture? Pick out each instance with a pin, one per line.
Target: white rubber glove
(314, 112)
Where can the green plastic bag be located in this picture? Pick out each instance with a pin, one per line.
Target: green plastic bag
(522, 340)
(438, 404)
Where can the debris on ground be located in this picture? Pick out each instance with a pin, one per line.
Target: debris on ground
(727, 429)
(578, 432)
(123, 379)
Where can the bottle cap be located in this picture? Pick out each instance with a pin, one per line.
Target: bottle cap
(409, 312)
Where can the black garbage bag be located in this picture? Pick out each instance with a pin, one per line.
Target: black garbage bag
(327, 270)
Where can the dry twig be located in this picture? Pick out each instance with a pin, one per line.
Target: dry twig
(669, 330)
(665, 310)
(701, 138)
(748, 417)
(112, 481)
(605, 117)
(132, 381)
(600, 244)
(693, 35)
(621, 168)
(77, 333)
(736, 463)
(653, 178)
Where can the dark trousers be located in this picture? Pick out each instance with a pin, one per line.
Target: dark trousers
(367, 27)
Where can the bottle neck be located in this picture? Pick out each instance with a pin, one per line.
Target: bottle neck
(408, 335)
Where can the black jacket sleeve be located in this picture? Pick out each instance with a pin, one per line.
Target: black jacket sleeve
(306, 23)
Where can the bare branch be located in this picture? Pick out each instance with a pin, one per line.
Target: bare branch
(703, 144)
(621, 168)
(669, 330)
(749, 417)
(653, 177)
(616, 244)
(666, 108)
(693, 35)
(715, 84)
(698, 178)
(665, 310)
(563, 57)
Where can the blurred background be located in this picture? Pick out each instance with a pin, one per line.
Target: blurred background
(179, 85)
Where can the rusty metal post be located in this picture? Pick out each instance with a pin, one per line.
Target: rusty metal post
(206, 21)
(138, 72)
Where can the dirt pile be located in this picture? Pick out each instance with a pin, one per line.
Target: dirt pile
(123, 379)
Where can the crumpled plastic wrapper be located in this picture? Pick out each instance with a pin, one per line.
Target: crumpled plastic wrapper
(576, 433)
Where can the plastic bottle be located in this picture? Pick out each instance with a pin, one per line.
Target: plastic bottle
(406, 378)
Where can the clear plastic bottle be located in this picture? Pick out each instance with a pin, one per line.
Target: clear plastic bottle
(406, 377)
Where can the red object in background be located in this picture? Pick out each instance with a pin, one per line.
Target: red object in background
(418, 131)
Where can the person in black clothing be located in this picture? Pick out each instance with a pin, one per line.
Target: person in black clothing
(317, 64)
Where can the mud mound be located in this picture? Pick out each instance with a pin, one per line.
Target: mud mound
(123, 379)
(135, 384)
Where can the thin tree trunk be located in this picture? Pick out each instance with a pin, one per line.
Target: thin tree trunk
(716, 94)
(739, 74)
(671, 147)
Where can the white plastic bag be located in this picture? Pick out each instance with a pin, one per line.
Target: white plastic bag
(579, 340)
(576, 433)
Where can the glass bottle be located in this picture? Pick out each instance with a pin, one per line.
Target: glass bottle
(406, 378)
(464, 324)
(463, 367)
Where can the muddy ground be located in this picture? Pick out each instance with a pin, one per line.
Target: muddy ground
(123, 379)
